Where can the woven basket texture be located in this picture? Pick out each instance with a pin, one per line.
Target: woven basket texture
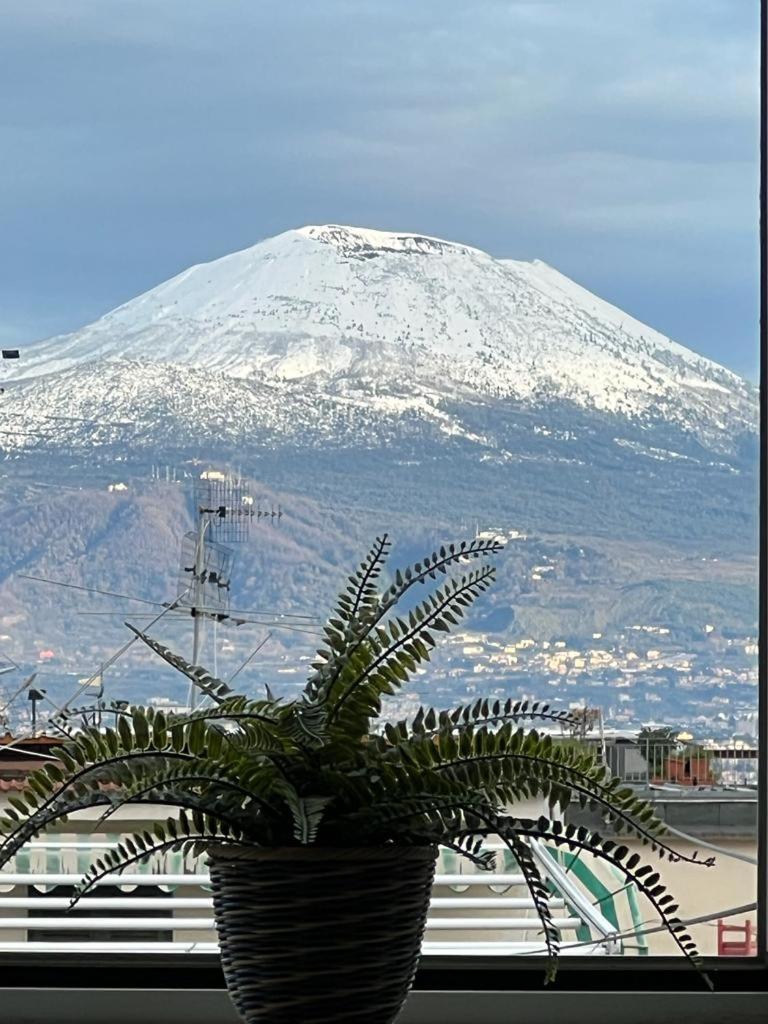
(318, 935)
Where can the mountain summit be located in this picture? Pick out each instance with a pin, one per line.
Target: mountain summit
(341, 360)
(366, 382)
(336, 304)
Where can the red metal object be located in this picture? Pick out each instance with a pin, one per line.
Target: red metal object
(745, 945)
(690, 770)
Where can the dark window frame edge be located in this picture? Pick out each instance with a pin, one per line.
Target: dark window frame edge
(178, 971)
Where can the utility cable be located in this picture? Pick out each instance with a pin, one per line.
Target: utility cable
(248, 659)
(711, 846)
(92, 590)
(272, 611)
(747, 908)
(161, 604)
(110, 661)
(181, 613)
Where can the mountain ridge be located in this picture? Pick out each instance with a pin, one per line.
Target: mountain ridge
(330, 339)
(317, 301)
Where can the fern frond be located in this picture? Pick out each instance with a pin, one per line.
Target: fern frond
(220, 790)
(208, 684)
(358, 627)
(400, 650)
(539, 894)
(642, 876)
(173, 834)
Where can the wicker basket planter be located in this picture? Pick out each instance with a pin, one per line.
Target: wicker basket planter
(320, 935)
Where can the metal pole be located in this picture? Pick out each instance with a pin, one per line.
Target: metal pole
(25, 685)
(215, 655)
(602, 735)
(197, 604)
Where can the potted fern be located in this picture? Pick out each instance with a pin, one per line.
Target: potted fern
(320, 829)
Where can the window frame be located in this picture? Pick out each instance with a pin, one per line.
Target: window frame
(581, 981)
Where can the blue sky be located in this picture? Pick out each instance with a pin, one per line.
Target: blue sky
(615, 139)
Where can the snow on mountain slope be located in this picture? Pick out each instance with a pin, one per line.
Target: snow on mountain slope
(136, 406)
(343, 305)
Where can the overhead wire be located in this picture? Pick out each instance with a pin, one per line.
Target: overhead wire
(249, 658)
(711, 846)
(161, 604)
(271, 611)
(90, 590)
(217, 616)
(279, 625)
(109, 662)
(746, 908)
(173, 609)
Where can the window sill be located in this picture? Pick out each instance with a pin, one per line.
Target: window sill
(158, 1006)
(169, 990)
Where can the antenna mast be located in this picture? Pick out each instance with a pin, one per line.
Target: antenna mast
(197, 605)
(224, 514)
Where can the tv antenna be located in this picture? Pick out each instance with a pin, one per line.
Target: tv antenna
(225, 511)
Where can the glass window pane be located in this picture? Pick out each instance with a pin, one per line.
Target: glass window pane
(442, 273)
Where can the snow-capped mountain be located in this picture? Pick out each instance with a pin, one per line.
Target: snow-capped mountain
(367, 381)
(339, 308)
(350, 363)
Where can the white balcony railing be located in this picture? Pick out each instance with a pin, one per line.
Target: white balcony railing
(470, 912)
